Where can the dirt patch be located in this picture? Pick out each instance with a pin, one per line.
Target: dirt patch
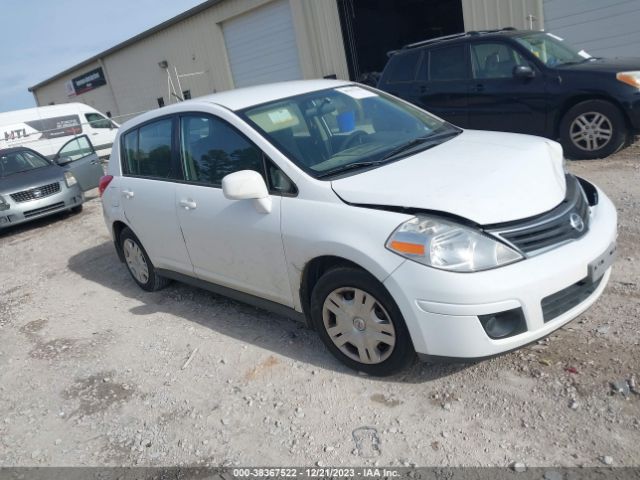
(263, 366)
(33, 326)
(385, 400)
(97, 393)
(58, 347)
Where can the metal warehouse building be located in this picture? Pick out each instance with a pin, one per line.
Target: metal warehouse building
(222, 44)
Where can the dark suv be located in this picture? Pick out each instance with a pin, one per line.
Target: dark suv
(522, 81)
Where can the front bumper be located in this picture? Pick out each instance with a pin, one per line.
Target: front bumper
(21, 212)
(441, 308)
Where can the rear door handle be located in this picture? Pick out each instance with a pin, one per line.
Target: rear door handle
(128, 194)
(479, 88)
(188, 204)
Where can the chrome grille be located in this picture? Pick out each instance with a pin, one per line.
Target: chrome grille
(36, 193)
(568, 221)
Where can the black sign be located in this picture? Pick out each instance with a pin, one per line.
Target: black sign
(55, 127)
(89, 81)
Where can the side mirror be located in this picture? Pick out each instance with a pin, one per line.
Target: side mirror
(247, 185)
(62, 160)
(523, 71)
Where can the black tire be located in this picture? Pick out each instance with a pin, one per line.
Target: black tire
(153, 281)
(76, 210)
(402, 353)
(579, 149)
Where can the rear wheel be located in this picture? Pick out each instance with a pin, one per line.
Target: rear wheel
(140, 267)
(360, 323)
(592, 129)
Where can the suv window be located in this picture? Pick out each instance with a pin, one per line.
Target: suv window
(448, 63)
(494, 60)
(98, 121)
(211, 149)
(402, 67)
(147, 151)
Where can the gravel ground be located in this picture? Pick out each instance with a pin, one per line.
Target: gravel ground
(93, 371)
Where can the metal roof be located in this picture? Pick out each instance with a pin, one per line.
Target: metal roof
(147, 33)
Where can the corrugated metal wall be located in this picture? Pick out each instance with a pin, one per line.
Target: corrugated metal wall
(605, 28)
(196, 45)
(492, 14)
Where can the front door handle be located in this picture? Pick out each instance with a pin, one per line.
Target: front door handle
(479, 88)
(128, 194)
(188, 204)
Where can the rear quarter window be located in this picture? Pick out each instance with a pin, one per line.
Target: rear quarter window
(402, 67)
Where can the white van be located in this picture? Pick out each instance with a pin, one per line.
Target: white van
(46, 129)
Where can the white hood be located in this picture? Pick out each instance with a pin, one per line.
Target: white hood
(486, 177)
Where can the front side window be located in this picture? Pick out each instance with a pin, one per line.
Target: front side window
(327, 131)
(147, 151)
(551, 50)
(98, 121)
(20, 161)
(494, 60)
(75, 149)
(211, 149)
(448, 63)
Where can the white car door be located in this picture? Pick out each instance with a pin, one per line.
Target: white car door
(229, 242)
(148, 189)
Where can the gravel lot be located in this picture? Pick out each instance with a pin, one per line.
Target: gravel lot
(92, 371)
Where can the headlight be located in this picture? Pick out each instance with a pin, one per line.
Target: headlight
(449, 246)
(70, 179)
(3, 204)
(630, 78)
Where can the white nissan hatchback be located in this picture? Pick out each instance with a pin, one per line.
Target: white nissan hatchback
(386, 229)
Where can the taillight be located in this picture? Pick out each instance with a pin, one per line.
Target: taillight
(104, 183)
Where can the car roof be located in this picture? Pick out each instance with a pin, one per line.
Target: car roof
(241, 98)
(4, 151)
(463, 36)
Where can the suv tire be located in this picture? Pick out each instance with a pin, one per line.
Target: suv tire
(360, 323)
(138, 263)
(592, 129)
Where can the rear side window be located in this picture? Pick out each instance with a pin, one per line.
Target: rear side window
(147, 151)
(211, 149)
(448, 63)
(402, 67)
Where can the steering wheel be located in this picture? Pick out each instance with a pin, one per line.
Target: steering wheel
(355, 138)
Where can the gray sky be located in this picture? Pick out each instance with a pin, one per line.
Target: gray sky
(40, 38)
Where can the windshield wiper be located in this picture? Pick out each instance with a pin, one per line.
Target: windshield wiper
(432, 139)
(418, 141)
(350, 166)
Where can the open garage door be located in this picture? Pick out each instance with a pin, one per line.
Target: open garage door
(261, 46)
(370, 28)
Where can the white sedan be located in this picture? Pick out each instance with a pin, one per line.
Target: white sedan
(389, 231)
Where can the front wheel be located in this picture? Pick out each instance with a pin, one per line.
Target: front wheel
(592, 129)
(360, 323)
(138, 263)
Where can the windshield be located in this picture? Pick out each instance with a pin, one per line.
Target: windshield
(20, 161)
(552, 50)
(329, 131)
